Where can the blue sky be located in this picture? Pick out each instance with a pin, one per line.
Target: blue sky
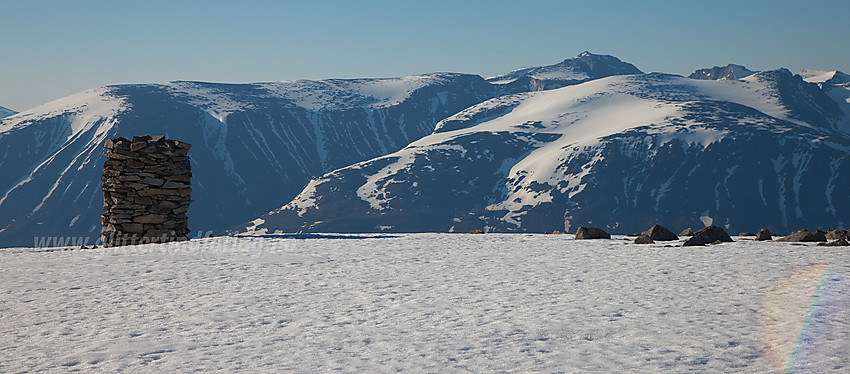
(51, 49)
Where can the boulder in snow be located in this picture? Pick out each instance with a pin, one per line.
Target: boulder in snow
(805, 236)
(660, 233)
(591, 233)
(838, 234)
(708, 235)
(764, 234)
(837, 243)
(644, 239)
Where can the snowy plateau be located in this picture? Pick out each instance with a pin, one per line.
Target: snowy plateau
(426, 303)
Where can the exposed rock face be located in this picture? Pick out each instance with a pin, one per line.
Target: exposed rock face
(746, 234)
(764, 234)
(477, 231)
(591, 233)
(644, 239)
(660, 233)
(687, 232)
(805, 236)
(708, 235)
(146, 191)
(838, 243)
(838, 234)
(730, 71)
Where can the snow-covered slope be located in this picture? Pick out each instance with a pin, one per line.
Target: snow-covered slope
(621, 153)
(254, 145)
(584, 67)
(427, 303)
(730, 71)
(5, 112)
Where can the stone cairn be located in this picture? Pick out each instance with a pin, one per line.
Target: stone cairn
(146, 191)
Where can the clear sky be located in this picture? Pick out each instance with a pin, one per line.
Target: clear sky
(51, 49)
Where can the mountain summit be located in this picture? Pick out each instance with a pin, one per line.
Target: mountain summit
(581, 68)
(730, 71)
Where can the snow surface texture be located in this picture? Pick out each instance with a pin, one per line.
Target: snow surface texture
(427, 302)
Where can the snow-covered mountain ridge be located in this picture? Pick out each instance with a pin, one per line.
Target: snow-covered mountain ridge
(535, 149)
(621, 152)
(254, 144)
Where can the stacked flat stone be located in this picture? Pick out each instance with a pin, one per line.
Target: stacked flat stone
(146, 191)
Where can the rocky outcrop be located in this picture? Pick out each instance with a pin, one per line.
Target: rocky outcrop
(687, 232)
(708, 235)
(146, 191)
(660, 233)
(591, 233)
(764, 234)
(804, 236)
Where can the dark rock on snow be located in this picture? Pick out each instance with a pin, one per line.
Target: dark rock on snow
(687, 232)
(644, 239)
(708, 235)
(764, 234)
(478, 231)
(746, 234)
(591, 233)
(838, 243)
(838, 234)
(804, 236)
(660, 233)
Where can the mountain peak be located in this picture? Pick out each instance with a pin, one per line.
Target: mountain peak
(581, 68)
(828, 77)
(731, 71)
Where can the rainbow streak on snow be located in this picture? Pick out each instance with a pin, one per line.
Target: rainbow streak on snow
(801, 320)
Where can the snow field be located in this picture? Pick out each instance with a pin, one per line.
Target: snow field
(426, 303)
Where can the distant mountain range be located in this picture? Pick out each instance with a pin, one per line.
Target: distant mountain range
(621, 153)
(588, 141)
